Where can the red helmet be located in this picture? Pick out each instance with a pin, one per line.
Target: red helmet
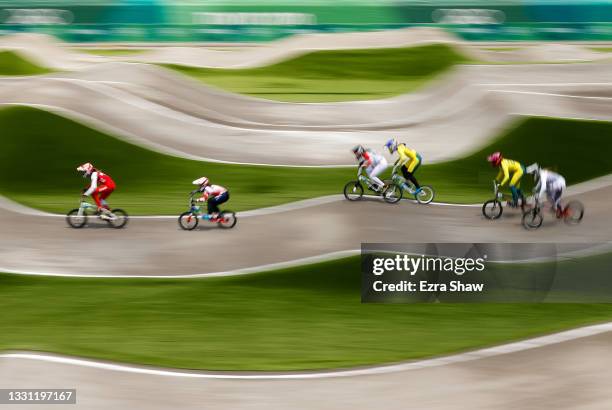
(495, 158)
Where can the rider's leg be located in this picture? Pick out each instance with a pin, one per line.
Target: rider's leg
(515, 184)
(410, 177)
(213, 204)
(223, 198)
(378, 169)
(369, 170)
(554, 196)
(412, 169)
(213, 209)
(96, 197)
(105, 192)
(515, 194)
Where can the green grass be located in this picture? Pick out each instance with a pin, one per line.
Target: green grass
(302, 318)
(575, 148)
(602, 49)
(12, 64)
(112, 51)
(339, 75)
(153, 183)
(147, 182)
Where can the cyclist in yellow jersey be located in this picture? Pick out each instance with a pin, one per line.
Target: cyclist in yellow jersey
(509, 170)
(409, 160)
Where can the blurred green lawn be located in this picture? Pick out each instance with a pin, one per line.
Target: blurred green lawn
(12, 64)
(153, 183)
(338, 75)
(308, 317)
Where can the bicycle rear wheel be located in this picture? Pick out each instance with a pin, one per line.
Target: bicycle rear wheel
(119, 218)
(188, 221)
(353, 191)
(227, 219)
(492, 209)
(75, 220)
(573, 212)
(425, 195)
(392, 194)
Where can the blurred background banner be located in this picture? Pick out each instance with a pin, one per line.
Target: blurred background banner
(265, 20)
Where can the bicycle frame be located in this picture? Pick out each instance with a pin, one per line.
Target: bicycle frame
(364, 179)
(84, 205)
(196, 210)
(537, 204)
(498, 194)
(193, 208)
(401, 182)
(501, 197)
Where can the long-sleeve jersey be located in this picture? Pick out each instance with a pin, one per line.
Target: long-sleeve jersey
(407, 156)
(369, 158)
(506, 167)
(212, 191)
(99, 178)
(548, 181)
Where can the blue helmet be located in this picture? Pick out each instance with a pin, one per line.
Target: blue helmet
(391, 145)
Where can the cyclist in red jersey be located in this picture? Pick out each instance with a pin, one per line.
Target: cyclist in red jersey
(100, 188)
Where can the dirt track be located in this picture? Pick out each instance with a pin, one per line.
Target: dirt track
(158, 109)
(47, 51)
(569, 375)
(452, 117)
(160, 247)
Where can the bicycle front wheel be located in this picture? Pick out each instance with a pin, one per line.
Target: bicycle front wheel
(353, 191)
(76, 220)
(188, 221)
(532, 219)
(492, 209)
(425, 195)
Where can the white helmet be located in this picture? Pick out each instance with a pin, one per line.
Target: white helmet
(87, 168)
(533, 169)
(201, 181)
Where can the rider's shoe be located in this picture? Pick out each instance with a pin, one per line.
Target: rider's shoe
(418, 191)
(105, 213)
(376, 188)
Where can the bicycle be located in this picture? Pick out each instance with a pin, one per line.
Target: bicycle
(395, 191)
(189, 220)
(493, 208)
(353, 190)
(572, 214)
(77, 218)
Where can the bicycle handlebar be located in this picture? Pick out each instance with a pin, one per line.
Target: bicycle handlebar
(192, 201)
